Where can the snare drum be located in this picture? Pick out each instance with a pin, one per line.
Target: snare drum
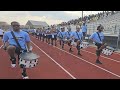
(52, 36)
(73, 43)
(84, 44)
(65, 40)
(37, 34)
(28, 59)
(108, 50)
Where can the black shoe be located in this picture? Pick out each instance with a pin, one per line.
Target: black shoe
(13, 62)
(98, 62)
(63, 47)
(24, 76)
(52, 44)
(70, 51)
(79, 54)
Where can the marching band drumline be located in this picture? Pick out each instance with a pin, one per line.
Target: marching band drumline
(52, 36)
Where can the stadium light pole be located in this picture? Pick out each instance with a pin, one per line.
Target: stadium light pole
(82, 15)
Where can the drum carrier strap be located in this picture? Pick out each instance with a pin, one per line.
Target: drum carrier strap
(78, 36)
(99, 36)
(68, 33)
(61, 35)
(16, 40)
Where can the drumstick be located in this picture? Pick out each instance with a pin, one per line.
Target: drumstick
(30, 50)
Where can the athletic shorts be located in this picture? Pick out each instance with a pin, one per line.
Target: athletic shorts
(76, 40)
(98, 45)
(17, 50)
(1, 36)
(84, 33)
(55, 37)
(49, 36)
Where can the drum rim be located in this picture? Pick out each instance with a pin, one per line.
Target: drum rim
(110, 48)
(85, 42)
(29, 59)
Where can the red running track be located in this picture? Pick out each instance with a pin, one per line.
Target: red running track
(76, 67)
(65, 66)
(46, 69)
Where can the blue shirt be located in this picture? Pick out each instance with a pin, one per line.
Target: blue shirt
(22, 37)
(54, 33)
(68, 34)
(96, 38)
(84, 28)
(47, 32)
(77, 35)
(32, 30)
(61, 35)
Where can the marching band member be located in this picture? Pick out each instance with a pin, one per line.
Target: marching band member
(68, 35)
(97, 38)
(40, 33)
(44, 34)
(61, 35)
(77, 36)
(14, 48)
(48, 34)
(37, 33)
(84, 30)
(53, 35)
(1, 34)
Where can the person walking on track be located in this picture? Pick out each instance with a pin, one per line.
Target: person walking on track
(98, 39)
(13, 47)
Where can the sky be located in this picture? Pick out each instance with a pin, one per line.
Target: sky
(50, 17)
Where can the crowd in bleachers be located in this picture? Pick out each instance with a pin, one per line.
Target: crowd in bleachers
(89, 18)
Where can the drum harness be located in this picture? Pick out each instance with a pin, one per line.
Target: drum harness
(78, 47)
(21, 50)
(98, 52)
(16, 41)
(99, 36)
(78, 36)
(61, 35)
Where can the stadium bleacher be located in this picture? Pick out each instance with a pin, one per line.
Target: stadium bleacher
(110, 22)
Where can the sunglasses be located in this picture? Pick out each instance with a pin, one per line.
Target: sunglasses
(15, 25)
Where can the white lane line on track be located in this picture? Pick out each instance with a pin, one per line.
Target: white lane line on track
(55, 62)
(90, 63)
(113, 52)
(101, 55)
(1, 46)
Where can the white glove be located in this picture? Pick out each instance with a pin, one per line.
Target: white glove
(101, 42)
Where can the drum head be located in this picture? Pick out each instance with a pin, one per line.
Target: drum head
(29, 56)
(111, 48)
(85, 42)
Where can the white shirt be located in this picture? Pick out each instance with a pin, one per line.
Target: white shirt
(1, 32)
(35, 30)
